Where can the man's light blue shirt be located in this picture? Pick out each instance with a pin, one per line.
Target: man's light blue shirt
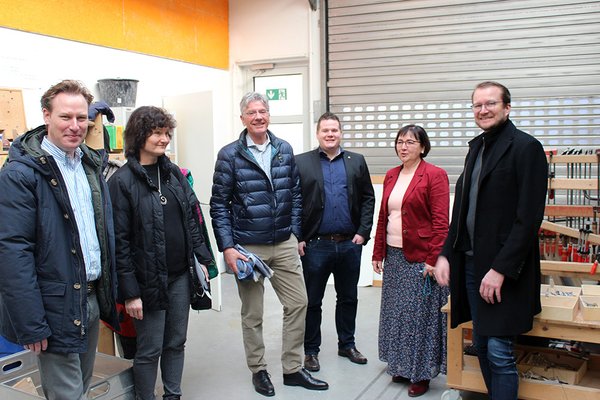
(262, 154)
(80, 197)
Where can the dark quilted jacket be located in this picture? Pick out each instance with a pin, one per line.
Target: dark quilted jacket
(245, 207)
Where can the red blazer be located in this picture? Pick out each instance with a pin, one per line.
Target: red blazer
(424, 214)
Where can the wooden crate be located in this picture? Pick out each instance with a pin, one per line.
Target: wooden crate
(590, 290)
(590, 307)
(556, 307)
(95, 134)
(12, 113)
(561, 367)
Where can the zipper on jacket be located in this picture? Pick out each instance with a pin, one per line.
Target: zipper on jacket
(76, 233)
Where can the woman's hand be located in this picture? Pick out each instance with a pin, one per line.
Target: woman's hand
(134, 308)
(428, 270)
(377, 266)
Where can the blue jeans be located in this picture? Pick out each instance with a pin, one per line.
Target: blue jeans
(342, 259)
(161, 334)
(495, 353)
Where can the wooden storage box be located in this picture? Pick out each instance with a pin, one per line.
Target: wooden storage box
(590, 290)
(590, 307)
(559, 302)
(95, 134)
(553, 366)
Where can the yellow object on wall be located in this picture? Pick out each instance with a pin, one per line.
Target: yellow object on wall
(195, 31)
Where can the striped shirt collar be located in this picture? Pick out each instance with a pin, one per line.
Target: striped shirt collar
(60, 156)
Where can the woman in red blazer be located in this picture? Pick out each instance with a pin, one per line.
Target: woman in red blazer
(411, 230)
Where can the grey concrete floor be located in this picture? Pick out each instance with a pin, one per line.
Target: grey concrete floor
(215, 366)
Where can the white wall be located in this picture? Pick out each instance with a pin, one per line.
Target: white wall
(281, 32)
(33, 63)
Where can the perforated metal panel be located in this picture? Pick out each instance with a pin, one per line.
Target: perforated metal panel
(392, 63)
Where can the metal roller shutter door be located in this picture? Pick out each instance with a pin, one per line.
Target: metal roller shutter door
(392, 63)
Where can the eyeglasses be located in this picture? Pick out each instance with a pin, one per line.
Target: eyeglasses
(253, 113)
(488, 105)
(408, 142)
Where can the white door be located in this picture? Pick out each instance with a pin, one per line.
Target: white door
(287, 91)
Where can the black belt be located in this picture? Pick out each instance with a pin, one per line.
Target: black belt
(336, 237)
(91, 287)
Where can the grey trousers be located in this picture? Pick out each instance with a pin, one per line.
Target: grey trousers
(288, 283)
(68, 375)
(161, 335)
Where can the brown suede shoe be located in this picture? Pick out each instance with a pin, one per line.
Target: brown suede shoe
(311, 362)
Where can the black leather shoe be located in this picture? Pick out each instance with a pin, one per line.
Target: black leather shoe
(311, 362)
(354, 355)
(304, 379)
(262, 383)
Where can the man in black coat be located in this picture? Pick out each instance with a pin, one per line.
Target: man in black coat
(491, 256)
(337, 216)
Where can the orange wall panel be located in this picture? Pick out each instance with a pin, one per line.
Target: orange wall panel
(195, 31)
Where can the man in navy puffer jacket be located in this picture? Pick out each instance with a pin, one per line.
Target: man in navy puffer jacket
(256, 202)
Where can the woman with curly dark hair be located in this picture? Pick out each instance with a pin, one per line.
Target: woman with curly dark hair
(157, 235)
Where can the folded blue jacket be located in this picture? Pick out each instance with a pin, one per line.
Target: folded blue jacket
(253, 267)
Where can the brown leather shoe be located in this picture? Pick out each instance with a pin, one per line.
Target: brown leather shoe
(418, 388)
(354, 355)
(400, 379)
(311, 362)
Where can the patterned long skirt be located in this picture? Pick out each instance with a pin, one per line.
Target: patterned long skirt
(412, 329)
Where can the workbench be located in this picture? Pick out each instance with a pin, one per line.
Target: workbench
(466, 377)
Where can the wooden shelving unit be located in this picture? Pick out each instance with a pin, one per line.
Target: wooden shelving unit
(463, 377)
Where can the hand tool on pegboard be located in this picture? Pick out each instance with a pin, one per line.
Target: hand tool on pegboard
(551, 173)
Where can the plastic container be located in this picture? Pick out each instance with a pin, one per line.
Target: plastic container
(7, 348)
(20, 378)
(118, 92)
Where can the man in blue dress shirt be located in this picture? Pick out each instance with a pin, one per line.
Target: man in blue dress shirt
(337, 216)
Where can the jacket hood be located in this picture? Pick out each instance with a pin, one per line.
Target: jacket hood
(27, 149)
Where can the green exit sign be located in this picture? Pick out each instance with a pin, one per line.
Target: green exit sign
(277, 94)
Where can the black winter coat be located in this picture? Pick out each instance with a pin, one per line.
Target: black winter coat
(140, 233)
(245, 207)
(43, 277)
(361, 197)
(510, 208)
